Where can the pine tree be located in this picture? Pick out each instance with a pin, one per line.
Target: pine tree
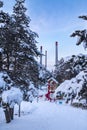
(25, 51)
(6, 39)
(81, 34)
(1, 4)
(18, 45)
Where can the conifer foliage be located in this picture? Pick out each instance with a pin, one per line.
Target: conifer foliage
(81, 34)
(18, 50)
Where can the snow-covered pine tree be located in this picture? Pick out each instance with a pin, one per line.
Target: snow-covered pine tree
(81, 34)
(6, 39)
(82, 38)
(70, 66)
(83, 92)
(18, 50)
(25, 51)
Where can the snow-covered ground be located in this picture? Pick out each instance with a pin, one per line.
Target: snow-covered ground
(46, 116)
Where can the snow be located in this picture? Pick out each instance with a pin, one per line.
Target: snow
(1, 50)
(32, 92)
(72, 86)
(46, 115)
(3, 84)
(12, 96)
(41, 73)
(25, 45)
(53, 80)
(66, 59)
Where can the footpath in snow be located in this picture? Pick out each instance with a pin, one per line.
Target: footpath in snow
(47, 116)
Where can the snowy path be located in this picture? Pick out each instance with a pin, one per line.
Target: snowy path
(49, 116)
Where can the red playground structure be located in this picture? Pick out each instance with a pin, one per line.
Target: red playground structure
(52, 85)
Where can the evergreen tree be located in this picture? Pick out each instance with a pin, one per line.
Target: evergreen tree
(81, 34)
(25, 51)
(6, 39)
(18, 45)
(69, 67)
(1, 4)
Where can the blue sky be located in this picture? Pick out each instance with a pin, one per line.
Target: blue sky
(55, 20)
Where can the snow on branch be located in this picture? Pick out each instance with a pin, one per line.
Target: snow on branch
(12, 96)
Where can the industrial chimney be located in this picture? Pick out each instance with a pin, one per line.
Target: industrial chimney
(45, 59)
(41, 55)
(56, 53)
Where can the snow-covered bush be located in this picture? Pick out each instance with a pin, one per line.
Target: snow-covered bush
(12, 96)
(72, 90)
(31, 93)
(44, 75)
(9, 94)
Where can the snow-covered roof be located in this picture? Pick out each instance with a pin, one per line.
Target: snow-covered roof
(53, 79)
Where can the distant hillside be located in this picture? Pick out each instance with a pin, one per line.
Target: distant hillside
(70, 66)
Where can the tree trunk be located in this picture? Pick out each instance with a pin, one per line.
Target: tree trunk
(0, 61)
(11, 113)
(6, 111)
(7, 115)
(15, 64)
(19, 111)
(8, 63)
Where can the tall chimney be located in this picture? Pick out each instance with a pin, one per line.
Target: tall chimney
(41, 55)
(45, 59)
(56, 53)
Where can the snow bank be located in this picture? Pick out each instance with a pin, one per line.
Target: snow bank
(47, 116)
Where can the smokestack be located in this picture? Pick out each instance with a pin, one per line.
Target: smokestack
(56, 53)
(45, 59)
(41, 55)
